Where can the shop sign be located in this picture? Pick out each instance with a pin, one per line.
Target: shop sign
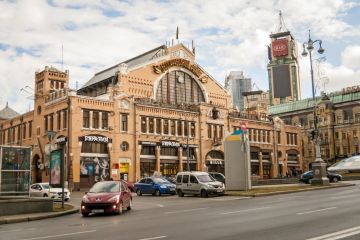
(61, 140)
(95, 139)
(124, 160)
(146, 143)
(170, 144)
(351, 89)
(114, 172)
(218, 162)
(194, 68)
(190, 145)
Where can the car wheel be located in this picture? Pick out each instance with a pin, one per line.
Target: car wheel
(45, 195)
(157, 193)
(130, 205)
(335, 180)
(66, 199)
(85, 214)
(203, 194)
(180, 193)
(138, 192)
(120, 208)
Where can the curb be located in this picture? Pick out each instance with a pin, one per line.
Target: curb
(290, 191)
(14, 219)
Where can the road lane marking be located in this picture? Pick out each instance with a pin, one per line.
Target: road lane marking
(338, 235)
(186, 210)
(60, 235)
(314, 211)
(153, 238)
(159, 205)
(228, 199)
(245, 210)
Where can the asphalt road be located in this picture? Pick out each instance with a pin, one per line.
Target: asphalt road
(315, 215)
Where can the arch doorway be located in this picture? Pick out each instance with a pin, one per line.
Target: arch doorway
(36, 169)
(215, 161)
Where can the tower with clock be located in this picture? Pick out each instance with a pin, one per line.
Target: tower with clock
(283, 70)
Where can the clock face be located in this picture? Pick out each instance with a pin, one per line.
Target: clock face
(181, 79)
(280, 47)
(317, 172)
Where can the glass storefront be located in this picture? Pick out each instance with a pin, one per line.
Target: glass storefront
(147, 169)
(169, 169)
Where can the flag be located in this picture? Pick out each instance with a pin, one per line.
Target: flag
(177, 33)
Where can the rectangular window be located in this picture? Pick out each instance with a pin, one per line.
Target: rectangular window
(268, 136)
(86, 119)
(193, 130)
(124, 122)
(52, 122)
(209, 130)
(186, 128)
(337, 135)
(179, 128)
(104, 120)
(166, 126)
(278, 137)
(58, 114)
(158, 125)
(46, 123)
(215, 135)
(343, 136)
(295, 137)
(172, 127)
(221, 129)
(18, 132)
(143, 124)
(30, 129)
(65, 119)
(151, 125)
(24, 131)
(95, 119)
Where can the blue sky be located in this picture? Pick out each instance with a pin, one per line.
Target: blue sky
(229, 35)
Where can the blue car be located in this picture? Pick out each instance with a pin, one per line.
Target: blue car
(155, 186)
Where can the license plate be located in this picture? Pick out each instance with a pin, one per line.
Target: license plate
(219, 190)
(97, 210)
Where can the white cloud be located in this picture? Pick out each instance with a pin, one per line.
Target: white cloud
(229, 35)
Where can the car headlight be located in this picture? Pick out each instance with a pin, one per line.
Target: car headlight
(163, 186)
(223, 185)
(85, 199)
(210, 186)
(115, 199)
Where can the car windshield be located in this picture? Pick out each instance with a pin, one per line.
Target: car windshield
(108, 187)
(45, 186)
(160, 180)
(205, 178)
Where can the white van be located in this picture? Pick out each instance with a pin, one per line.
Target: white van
(198, 183)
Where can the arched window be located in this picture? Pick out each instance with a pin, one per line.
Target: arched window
(178, 87)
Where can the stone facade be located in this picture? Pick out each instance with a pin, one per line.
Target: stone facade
(156, 112)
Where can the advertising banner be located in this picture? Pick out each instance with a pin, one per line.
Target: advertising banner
(56, 159)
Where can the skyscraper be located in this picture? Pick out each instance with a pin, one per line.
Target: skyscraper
(236, 83)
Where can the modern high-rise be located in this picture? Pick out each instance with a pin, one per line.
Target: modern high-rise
(236, 83)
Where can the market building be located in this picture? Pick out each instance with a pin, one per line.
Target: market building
(158, 111)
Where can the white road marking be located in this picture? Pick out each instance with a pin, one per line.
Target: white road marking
(16, 230)
(314, 211)
(186, 210)
(344, 196)
(285, 198)
(153, 238)
(245, 210)
(338, 235)
(159, 205)
(60, 235)
(227, 199)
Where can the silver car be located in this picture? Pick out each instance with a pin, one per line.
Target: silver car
(44, 190)
(198, 183)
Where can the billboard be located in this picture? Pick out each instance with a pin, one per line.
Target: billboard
(56, 170)
(281, 81)
(280, 47)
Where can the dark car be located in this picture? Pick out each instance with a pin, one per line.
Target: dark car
(154, 185)
(218, 176)
(308, 176)
(106, 197)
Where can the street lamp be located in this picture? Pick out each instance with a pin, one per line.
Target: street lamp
(318, 166)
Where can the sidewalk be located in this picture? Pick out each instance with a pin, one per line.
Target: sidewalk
(34, 216)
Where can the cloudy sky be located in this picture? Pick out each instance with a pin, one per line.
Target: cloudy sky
(229, 35)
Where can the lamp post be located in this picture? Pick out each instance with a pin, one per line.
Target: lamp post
(318, 166)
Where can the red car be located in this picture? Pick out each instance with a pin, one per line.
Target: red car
(107, 197)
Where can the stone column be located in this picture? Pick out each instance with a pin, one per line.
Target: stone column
(199, 163)
(261, 170)
(157, 155)
(137, 163)
(180, 152)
